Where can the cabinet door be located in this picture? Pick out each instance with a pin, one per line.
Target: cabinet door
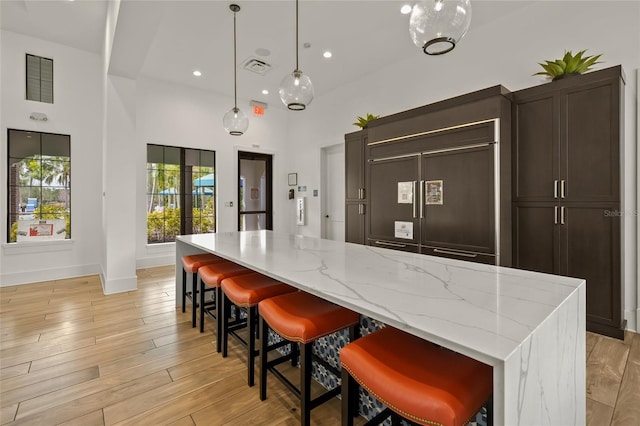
(354, 165)
(390, 205)
(535, 148)
(354, 232)
(590, 157)
(536, 237)
(458, 202)
(590, 249)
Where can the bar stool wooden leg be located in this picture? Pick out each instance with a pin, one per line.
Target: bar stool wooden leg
(184, 290)
(306, 350)
(264, 344)
(252, 312)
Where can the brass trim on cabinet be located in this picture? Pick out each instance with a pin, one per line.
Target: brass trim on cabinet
(430, 132)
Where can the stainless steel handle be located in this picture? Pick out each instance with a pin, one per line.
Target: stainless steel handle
(422, 183)
(555, 215)
(384, 243)
(363, 193)
(413, 198)
(562, 188)
(555, 188)
(455, 253)
(360, 208)
(562, 215)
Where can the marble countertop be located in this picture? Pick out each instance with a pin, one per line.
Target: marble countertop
(483, 311)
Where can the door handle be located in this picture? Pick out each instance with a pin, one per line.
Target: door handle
(384, 243)
(413, 198)
(562, 188)
(422, 183)
(562, 215)
(555, 215)
(555, 188)
(454, 253)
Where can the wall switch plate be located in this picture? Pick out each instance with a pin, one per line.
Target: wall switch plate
(315, 192)
(228, 203)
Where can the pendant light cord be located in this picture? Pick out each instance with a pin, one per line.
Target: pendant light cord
(235, 82)
(297, 69)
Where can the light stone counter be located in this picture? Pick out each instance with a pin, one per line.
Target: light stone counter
(529, 326)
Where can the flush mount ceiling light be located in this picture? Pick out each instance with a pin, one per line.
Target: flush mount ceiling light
(197, 73)
(235, 122)
(296, 89)
(437, 25)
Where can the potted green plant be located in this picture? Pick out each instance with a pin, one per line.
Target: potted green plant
(363, 122)
(569, 65)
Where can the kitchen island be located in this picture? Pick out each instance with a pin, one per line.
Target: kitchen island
(530, 327)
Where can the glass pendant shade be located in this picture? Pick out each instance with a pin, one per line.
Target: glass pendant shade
(235, 122)
(436, 26)
(296, 90)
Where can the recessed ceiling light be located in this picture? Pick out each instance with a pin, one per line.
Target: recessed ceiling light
(197, 73)
(406, 9)
(265, 92)
(327, 54)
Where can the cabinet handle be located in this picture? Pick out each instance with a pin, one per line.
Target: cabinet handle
(361, 209)
(413, 198)
(384, 243)
(455, 253)
(422, 183)
(555, 215)
(555, 188)
(562, 215)
(562, 188)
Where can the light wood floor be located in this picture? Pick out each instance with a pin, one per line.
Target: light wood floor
(70, 355)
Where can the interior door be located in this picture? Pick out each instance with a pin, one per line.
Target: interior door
(459, 200)
(254, 191)
(393, 204)
(334, 193)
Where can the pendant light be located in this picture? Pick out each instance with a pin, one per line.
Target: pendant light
(296, 89)
(436, 26)
(235, 122)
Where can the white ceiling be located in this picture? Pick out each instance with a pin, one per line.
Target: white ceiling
(167, 40)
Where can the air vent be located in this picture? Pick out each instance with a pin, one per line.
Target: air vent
(256, 65)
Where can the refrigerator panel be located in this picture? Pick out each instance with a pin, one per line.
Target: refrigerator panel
(459, 200)
(393, 204)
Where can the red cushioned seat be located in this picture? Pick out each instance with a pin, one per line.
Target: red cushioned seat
(303, 318)
(417, 379)
(192, 263)
(211, 276)
(247, 291)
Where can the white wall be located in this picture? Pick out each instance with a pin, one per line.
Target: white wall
(76, 111)
(507, 53)
(169, 114)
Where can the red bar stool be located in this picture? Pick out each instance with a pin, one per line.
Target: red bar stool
(246, 291)
(191, 264)
(211, 277)
(303, 318)
(415, 379)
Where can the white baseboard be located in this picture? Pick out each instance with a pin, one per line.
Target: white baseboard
(38, 275)
(119, 285)
(151, 262)
(632, 320)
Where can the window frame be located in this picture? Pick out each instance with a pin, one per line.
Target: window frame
(40, 186)
(184, 192)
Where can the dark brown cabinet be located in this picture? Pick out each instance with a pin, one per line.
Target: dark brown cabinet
(355, 194)
(566, 187)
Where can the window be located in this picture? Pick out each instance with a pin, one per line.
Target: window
(39, 186)
(39, 79)
(180, 192)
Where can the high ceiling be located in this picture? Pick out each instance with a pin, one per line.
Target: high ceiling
(168, 40)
